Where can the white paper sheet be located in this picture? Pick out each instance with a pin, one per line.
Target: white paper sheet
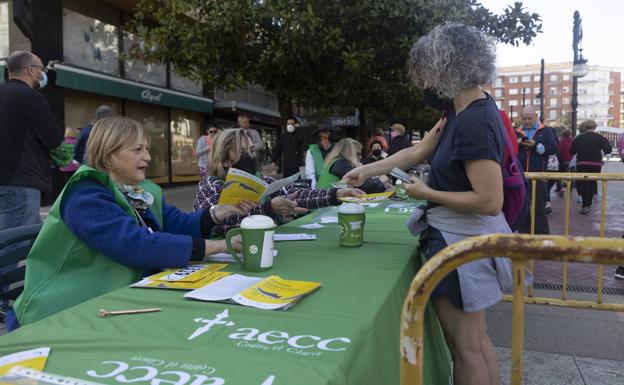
(329, 220)
(312, 226)
(278, 185)
(294, 237)
(223, 289)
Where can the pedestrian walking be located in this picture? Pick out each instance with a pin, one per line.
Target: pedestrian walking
(589, 148)
(204, 144)
(289, 149)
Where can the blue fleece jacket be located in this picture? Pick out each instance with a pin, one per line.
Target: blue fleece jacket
(89, 210)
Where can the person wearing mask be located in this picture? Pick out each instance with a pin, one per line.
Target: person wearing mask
(344, 157)
(398, 139)
(589, 148)
(203, 149)
(111, 226)
(464, 193)
(536, 143)
(232, 149)
(288, 152)
(256, 138)
(70, 138)
(101, 112)
(29, 132)
(315, 156)
(375, 152)
(378, 136)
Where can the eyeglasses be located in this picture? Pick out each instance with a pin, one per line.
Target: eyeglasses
(42, 68)
(212, 132)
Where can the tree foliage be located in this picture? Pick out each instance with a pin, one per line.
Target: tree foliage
(321, 53)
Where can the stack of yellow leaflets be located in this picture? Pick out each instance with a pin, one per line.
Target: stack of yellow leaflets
(240, 185)
(270, 293)
(188, 278)
(369, 198)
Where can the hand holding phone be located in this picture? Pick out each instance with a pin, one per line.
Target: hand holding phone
(401, 175)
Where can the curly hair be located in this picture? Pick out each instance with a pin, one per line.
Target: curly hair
(451, 58)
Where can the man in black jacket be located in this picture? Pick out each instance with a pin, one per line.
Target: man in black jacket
(28, 130)
(290, 147)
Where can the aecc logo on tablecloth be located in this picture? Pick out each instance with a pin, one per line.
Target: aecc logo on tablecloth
(304, 345)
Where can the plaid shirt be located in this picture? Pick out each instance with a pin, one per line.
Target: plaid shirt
(210, 188)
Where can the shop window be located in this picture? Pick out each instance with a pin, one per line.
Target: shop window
(80, 107)
(185, 127)
(4, 29)
(90, 43)
(154, 119)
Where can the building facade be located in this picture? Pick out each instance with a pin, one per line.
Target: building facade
(84, 41)
(599, 93)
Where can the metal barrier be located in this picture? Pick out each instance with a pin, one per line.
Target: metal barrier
(568, 178)
(519, 248)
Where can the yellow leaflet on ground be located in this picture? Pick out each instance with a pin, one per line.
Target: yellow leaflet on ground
(181, 285)
(275, 290)
(366, 198)
(191, 273)
(34, 359)
(240, 185)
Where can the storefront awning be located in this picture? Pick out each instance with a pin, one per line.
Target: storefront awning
(84, 80)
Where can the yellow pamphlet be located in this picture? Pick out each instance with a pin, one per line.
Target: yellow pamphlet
(368, 198)
(33, 359)
(269, 293)
(240, 185)
(188, 278)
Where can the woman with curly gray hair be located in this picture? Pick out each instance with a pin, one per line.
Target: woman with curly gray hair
(464, 193)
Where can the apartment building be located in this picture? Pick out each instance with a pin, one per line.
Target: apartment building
(599, 93)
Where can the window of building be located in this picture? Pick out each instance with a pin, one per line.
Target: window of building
(536, 90)
(513, 102)
(553, 103)
(498, 93)
(527, 90)
(536, 102)
(138, 70)
(566, 77)
(154, 119)
(513, 91)
(90, 43)
(4, 29)
(183, 84)
(525, 78)
(499, 104)
(185, 129)
(499, 82)
(513, 114)
(513, 79)
(565, 90)
(552, 115)
(565, 101)
(536, 78)
(80, 107)
(554, 78)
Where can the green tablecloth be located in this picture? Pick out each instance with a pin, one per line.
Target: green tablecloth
(345, 333)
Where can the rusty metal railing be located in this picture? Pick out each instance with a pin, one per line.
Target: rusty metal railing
(520, 248)
(568, 178)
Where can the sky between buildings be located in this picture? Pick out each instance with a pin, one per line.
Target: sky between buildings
(603, 35)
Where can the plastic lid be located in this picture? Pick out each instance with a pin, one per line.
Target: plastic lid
(257, 222)
(350, 208)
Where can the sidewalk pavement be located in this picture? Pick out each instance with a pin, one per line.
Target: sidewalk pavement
(562, 346)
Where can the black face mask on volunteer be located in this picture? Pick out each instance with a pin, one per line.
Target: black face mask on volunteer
(246, 163)
(431, 99)
(377, 152)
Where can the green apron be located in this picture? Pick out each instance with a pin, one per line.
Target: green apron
(315, 151)
(327, 179)
(62, 271)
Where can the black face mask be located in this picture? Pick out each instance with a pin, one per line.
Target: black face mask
(246, 163)
(431, 98)
(377, 152)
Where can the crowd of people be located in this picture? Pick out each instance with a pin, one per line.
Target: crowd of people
(110, 222)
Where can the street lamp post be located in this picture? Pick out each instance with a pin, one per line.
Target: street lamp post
(579, 68)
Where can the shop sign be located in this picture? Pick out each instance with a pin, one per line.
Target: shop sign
(151, 97)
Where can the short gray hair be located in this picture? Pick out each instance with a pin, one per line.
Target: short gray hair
(18, 61)
(453, 57)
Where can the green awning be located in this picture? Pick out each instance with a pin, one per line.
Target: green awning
(83, 80)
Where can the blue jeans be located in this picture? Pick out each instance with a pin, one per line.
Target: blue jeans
(19, 206)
